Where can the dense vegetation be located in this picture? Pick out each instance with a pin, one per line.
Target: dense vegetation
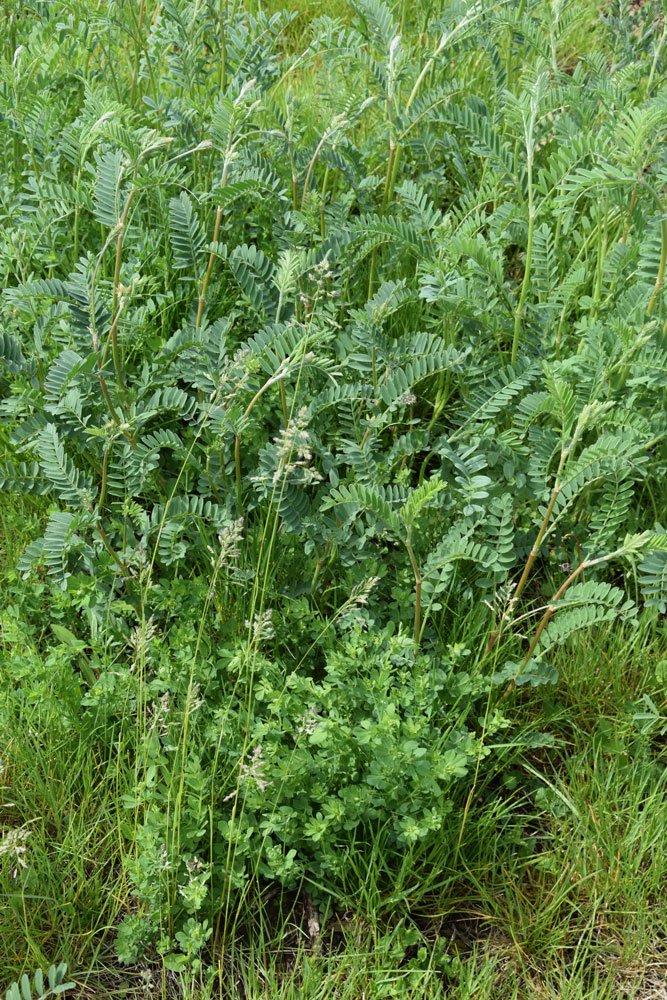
(333, 370)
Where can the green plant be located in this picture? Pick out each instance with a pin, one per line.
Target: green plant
(301, 340)
(53, 986)
(401, 521)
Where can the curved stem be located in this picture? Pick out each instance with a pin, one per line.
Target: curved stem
(325, 136)
(553, 603)
(107, 397)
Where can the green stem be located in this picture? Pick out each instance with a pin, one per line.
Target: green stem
(540, 534)
(237, 443)
(656, 57)
(508, 71)
(237, 466)
(76, 216)
(137, 53)
(223, 54)
(663, 251)
(324, 193)
(105, 542)
(107, 397)
(661, 268)
(115, 311)
(385, 198)
(309, 171)
(283, 401)
(581, 568)
(103, 487)
(529, 257)
(211, 256)
(418, 591)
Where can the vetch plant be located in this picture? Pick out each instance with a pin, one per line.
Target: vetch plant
(288, 371)
(401, 520)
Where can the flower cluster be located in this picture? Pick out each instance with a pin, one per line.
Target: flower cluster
(141, 639)
(229, 539)
(293, 450)
(261, 626)
(13, 845)
(252, 769)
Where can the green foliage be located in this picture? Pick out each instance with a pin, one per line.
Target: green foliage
(52, 986)
(325, 757)
(294, 369)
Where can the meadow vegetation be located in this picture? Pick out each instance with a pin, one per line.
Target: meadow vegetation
(333, 379)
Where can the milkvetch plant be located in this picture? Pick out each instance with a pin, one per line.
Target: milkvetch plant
(260, 347)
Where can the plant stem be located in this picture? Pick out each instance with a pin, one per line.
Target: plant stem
(324, 193)
(418, 591)
(663, 249)
(283, 402)
(552, 607)
(105, 542)
(137, 53)
(326, 134)
(581, 568)
(529, 256)
(540, 534)
(223, 53)
(115, 309)
(661, 268)
(656, 57)
(211, 256)
(237, 466)
(103, 487)
(385, 197)
(601, 251)
(237, 443)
